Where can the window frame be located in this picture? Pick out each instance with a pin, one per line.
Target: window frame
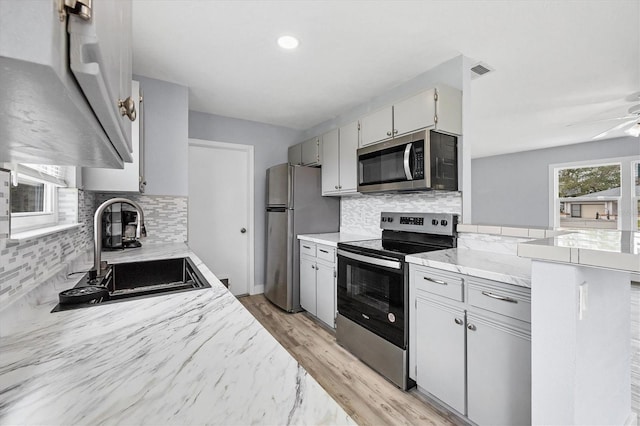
(28, 221)
(626, 205)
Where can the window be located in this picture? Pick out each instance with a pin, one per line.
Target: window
(597, 194)
(636, 192)
(34, 199)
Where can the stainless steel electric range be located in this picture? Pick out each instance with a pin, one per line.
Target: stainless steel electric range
(373, 289)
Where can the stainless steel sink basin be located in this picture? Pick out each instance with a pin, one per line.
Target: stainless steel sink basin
(138, 279)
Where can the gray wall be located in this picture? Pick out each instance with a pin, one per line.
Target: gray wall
(166, 114)
(270, 148)
(513, 189)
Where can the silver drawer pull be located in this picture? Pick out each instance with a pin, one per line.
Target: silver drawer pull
(458, 321)
(503, 298)
(435, 281)
(324, 251)
(307, 247)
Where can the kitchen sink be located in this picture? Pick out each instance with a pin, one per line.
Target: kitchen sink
(124, 281)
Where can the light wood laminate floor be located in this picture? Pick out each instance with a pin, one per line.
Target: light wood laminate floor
(365, 395)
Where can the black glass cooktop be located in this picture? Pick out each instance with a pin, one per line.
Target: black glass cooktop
(396, 249)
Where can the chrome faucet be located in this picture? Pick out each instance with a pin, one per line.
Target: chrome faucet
(97, 229)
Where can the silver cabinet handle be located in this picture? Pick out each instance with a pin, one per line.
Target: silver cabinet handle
(243, 230)
(435, 281)
(395, 131)
(336, 186)
(472, 327)
(307, 247)
(497, 297)
(324, 251)
(389, 133)
(128, 108)
(313, 267)
(458, 321)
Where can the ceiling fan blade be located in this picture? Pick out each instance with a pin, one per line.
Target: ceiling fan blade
(629, 123)
(628, 117)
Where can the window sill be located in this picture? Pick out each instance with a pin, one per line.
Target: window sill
(41, 232)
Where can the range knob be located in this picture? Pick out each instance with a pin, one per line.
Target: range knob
(384, 219)
(434, 222)
(443, 222)
(390, 219)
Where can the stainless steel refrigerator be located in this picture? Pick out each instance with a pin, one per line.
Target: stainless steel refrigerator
(294, 206)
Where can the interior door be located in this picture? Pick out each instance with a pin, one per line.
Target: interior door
(221, 210)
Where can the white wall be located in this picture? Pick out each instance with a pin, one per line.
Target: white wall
(270, 148)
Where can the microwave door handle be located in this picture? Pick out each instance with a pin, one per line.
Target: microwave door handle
(407, 166)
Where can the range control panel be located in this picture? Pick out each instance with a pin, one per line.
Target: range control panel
(427, 223)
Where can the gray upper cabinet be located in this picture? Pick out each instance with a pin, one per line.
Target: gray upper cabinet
(339, 160)
(311, 152)
(439, 108)
(295, 154)
(307, 153)
(64, 92)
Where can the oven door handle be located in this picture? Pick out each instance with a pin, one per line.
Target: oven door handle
(407, 166)
(394, 264)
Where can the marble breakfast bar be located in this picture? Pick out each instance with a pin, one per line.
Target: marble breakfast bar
(580, 314)
(196, 357)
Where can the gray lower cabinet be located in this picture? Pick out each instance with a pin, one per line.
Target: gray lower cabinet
(308, 284)
(318, 281)
(440, 366)
(470, 345)
(498, 370)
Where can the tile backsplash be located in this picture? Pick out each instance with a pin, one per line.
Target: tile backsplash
(165, 216)
(360, 214)
(26, 263)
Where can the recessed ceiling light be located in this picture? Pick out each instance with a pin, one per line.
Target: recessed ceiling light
(288, 42)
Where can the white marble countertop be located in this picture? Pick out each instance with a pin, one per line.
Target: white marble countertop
(600, 248)
(332, 239)
(197, 357)
(505, 268)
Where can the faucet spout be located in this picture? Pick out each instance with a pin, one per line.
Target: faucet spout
(97, 228)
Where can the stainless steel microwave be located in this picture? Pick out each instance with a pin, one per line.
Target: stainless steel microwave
(420, 161)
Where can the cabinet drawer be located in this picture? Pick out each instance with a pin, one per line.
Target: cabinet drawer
(307, 248)
(440, 283)
(500, 298)
(326, 253)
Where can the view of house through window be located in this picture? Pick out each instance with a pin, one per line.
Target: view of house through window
(589, 196)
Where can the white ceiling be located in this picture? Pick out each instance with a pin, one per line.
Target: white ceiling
(557, 63)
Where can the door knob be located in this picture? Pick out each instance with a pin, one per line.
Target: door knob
(243, 230)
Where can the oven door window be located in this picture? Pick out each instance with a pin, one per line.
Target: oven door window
(373, 296)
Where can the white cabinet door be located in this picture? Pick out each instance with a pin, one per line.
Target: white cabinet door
(311, 152)
(414, 113)
(330, 162)
(377, 126)
(348, 157)
(498, 371)
(308, 284)
(440, 352)
(131, 177)
(100, 59)
(325, 289)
